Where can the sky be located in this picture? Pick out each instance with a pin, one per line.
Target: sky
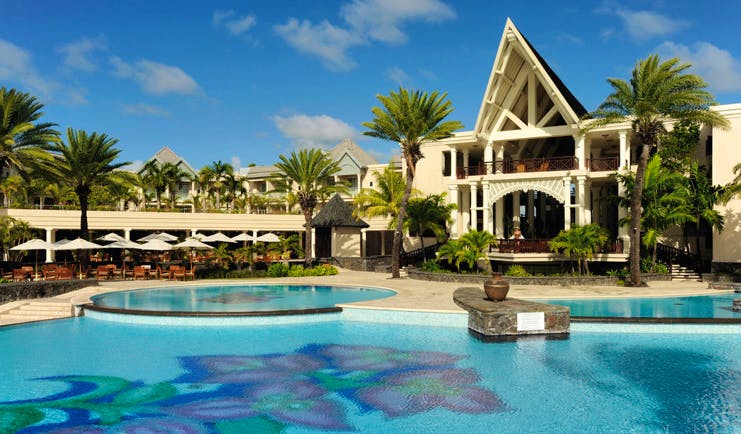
(245, 81)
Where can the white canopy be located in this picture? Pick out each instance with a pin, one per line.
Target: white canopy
(243, 237)
(123, 244)
(34, 244)
(162, 236)
(192, 243)
(156, 244)
(268, 238)
(77, 244)
(111, 236)
(218, 237)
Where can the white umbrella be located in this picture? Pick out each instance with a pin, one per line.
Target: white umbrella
(243, 237)
(61, 242)
(163, 236)
(156, 244)
(191, 243)
(77, 244)
(123, 244)
(111, 236)
(34, 244)
(268, 238)
(218, 237)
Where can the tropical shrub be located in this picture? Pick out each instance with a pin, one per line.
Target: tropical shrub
(516, 271)
(432, 267)
(580, 243)
(467, 250)
(278, 269)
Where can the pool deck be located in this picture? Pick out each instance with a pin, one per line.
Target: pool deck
(412, 294)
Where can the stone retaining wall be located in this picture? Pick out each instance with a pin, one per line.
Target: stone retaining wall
(369, 263)
(529, 280)
(49, 288)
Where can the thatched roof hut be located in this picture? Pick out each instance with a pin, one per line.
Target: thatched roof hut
(336, 213)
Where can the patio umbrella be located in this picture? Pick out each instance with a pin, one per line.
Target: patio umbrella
(111, 236)
(156, 244)
(34, 244)
(192, 244)
(77, 244)
(163, 236)
(125, 245)
(268, 238)
(218, 237)
(243, 237)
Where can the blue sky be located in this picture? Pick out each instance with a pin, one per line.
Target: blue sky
(242, 81)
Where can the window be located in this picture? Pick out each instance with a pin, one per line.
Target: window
(709, 146)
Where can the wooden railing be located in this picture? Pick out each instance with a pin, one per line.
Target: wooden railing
(543, 246)
(603, 164)
(520, 166)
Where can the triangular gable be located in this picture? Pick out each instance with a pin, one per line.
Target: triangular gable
(348, 164)
(166, 155)
(524, 94)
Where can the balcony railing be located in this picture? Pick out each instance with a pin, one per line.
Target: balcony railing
(543, 246)
(520, 166)
(603, 164)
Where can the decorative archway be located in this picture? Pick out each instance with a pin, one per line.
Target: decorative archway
(551, 187)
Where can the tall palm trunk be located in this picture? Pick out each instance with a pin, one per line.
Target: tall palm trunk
(396, 246)
(308, 251)
(635, 218)
(84, 254)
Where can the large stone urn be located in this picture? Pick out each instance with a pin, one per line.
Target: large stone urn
(496, 287)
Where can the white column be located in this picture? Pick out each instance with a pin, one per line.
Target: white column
(588, 202)
(580, 200)
(500, 158)
(499, 225)
(516, 208)
(474, 205)
(127, 233)
(313, 243)
(587, 148)
(357, 188)
(453, 163)
(50, 239)
(567, 203)
(486, 207)
(580, 151)
(624, 150)
(363, 238)
(489, 156)
(531, 213)
(465, 212)
(453, 200)
(254, 236)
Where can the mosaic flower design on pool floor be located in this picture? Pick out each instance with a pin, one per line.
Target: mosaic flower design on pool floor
(309, 388)
(243, 297)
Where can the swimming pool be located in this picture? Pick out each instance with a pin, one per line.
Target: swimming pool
(698, 306)
(361, 376)
(237, 299)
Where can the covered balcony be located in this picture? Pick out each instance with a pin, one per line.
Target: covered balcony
(537, 165)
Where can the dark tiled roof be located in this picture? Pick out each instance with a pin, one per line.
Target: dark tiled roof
(570, 98)
(336, 212)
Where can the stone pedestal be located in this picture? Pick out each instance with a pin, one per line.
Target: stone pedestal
(504, 320)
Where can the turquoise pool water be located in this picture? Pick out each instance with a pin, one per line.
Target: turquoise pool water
(357, 376)
(700, 306)
(238, 298)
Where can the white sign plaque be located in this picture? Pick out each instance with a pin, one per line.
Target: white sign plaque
(530, 321)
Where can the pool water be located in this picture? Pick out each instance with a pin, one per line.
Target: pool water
(356, 376)
(699, 306)
(238, 298)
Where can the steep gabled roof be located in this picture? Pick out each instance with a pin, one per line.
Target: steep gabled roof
(166, 155)
(357, 153)
(524, 96)
(336, 212)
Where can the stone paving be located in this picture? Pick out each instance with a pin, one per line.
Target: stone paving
(411, 294)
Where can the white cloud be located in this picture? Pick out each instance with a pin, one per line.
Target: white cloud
(234, 24)
(235, 162)
(644, 25)
(145, 109)
(717, 66)
(397, 75)
(365, 21)
(155, 78)
(16, 66)
(328, 42)
(319, 130)
(382, 20)
(77, 55)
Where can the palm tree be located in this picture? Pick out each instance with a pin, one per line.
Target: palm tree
(219, 172)
(23, 140)
(153, 178)
(479, 242)
(410, 118)
(85, 161)
(658, 91)
(455, 252)
(385, 199)
(733, 188)
(580, 243)
(9, 187)
(429, 213)
(174, 175)
(702, 198)
(307, 174)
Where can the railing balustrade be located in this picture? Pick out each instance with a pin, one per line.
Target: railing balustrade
(519, 166)
(542, 246)
(603, 164)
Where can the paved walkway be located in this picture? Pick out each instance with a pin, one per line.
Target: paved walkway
(412, 294)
